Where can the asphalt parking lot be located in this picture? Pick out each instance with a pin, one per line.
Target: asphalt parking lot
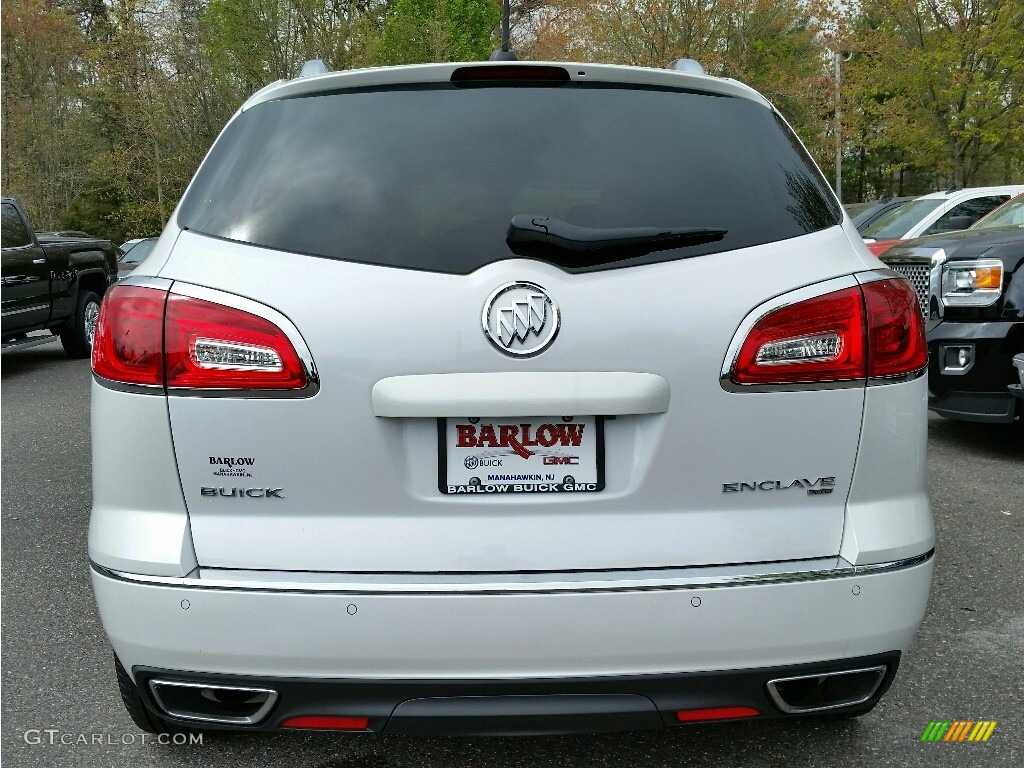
(967, 662)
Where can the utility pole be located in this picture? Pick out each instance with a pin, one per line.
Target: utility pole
(506, 12)
(837, 56)
(504, 53)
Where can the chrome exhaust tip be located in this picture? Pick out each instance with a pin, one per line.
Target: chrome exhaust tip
(829, 690)
(213, 703)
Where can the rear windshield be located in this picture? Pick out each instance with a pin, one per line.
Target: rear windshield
(430, 178)
(895, 224)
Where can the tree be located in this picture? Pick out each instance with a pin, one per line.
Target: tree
(47, 130)
(420, 31)
(941, 82)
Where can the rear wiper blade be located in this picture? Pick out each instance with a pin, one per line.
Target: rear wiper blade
(542, 235)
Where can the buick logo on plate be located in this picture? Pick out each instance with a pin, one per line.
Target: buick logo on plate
(520, 319)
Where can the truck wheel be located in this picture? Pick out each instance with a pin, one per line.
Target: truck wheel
(76, 336)
(137, 711)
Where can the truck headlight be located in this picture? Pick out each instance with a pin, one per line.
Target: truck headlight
(972, 283)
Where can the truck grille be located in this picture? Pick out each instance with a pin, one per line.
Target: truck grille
(919, 276)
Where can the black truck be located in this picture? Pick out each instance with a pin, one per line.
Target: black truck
(51, 283)
(971, 288)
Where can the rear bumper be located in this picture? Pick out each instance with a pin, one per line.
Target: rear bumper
(389, 648)
(531, 707)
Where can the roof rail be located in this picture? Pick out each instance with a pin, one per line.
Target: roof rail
(689, 66)
(313, 67)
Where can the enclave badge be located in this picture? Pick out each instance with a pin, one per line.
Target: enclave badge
(818, 487)
(520, 319)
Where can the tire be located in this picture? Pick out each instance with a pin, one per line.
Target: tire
(76, 336)
(142, 717)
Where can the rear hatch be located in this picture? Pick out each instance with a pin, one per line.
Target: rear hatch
(376, 221)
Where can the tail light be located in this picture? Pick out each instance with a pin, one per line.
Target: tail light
(896, 335)
(152, 337)
(128, 344)
(504, 74)
(210, 346)
(867, 331)
(821, 339)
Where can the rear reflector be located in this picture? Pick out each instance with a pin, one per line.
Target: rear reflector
(873, 330)
(152, 337)
(717, 713)
(326, 723)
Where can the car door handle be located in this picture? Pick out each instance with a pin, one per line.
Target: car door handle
(38, 261)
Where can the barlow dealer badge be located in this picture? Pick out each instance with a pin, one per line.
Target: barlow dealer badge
(520, 319)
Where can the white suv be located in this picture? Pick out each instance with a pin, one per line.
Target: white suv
(508, 398)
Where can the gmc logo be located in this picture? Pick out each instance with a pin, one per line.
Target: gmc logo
(561, 459)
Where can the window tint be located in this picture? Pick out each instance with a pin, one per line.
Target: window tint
(14, 233)
(896, 224)
(1007, 215)
(430, 178)
(973, 209)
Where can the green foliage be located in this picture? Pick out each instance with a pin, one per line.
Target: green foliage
(939, 85)
(420, 31)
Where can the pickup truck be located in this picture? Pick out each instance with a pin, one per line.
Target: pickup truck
(971, 288)
(51, 283)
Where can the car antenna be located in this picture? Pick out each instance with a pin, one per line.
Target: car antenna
(503, 53)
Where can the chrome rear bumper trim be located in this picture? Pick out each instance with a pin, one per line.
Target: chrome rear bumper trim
(498, 584)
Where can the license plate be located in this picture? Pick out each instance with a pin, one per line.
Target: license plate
(549, 454)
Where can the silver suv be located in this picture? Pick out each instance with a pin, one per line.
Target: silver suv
(508, 398)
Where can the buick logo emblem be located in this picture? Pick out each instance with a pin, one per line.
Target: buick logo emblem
(520, 319)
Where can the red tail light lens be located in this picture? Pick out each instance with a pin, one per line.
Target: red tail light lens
(128, 345)
(538, 74)
(149, 336)
(716, 713)
(821, 339)
(879, 247)
(869, 331)
(327, 723)
(896, 335)
(210, 346)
